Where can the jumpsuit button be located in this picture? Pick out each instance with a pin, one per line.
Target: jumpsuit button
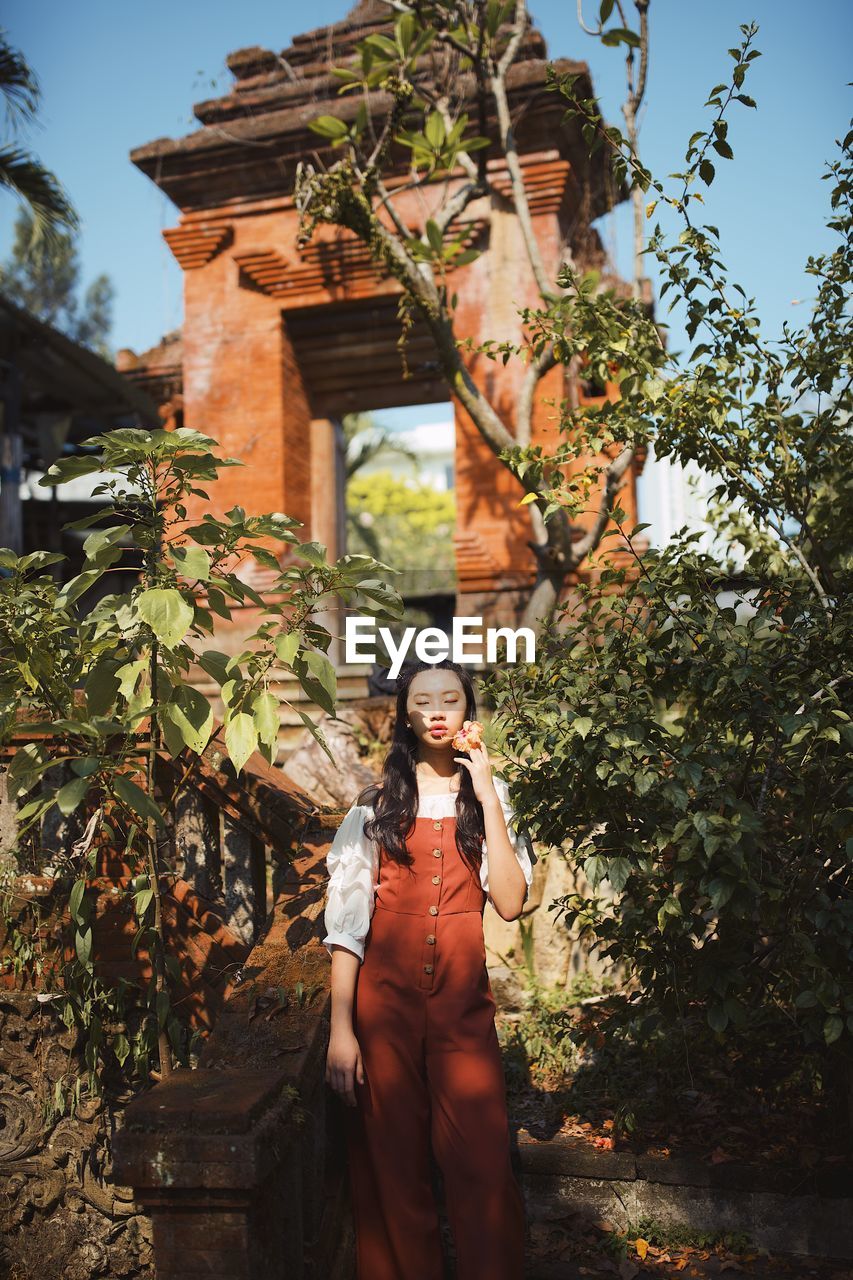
(436, 826)
(430, 938)
(433, 911)
(436, 879)
(427, 968)
(436, 853)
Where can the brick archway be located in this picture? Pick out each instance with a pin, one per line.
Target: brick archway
(280, 340)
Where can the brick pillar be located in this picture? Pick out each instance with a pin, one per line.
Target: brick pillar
(495, 566)
(214, 1161)
(242, 386)
(328, 512)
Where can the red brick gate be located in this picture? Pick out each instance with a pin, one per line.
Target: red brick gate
(279, 341)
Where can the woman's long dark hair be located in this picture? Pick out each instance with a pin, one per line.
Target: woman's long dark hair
(395, 798)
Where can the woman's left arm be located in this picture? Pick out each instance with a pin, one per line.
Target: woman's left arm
(507, 882)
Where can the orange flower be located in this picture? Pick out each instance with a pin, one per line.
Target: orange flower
(469, 736)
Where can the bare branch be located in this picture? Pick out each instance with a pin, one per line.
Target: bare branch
(459, 203)
(538, 367)
(385, 201)
(589, 30)
(513, 164)
(639, 93)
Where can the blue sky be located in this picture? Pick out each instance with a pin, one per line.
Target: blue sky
(114, 77)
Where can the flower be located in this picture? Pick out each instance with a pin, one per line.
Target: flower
(469, 736)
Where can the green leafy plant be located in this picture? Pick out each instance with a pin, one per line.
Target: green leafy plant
(105, 689)
(694, 702)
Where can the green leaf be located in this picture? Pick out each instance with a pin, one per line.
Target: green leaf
(74, 589)
(434, 235)
(72, 795)
(136, 799)
(621, 35)
(101, 687)
(267, 716)
(594, 868)
(286, 646)
(128, 675)
(718, 1019)
(832, 1028)
(189, 716)
(104, 540)
(806, 1000)
(467, 255)
(266, 558)
(167, 613)
(142, 901)
(581, 726)
(75, 902)
(83, 946)
(85, 767)
(317, 677)
(382, 45)
(316, 733)
(215, 664)
(163, 1004)
(120, 1047)
(192, 562)
(618, 871)
(313, 552)
(265, 712)
(209, 532)
(69, 469)
(329, 127)
(434, 130)
(241, 738)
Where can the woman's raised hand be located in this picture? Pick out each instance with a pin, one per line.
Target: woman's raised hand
(344, 1065)
(479, 766)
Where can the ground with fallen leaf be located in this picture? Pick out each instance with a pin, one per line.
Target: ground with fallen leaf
(590, 1073)
(593, 1071)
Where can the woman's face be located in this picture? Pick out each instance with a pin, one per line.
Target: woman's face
(435, 706)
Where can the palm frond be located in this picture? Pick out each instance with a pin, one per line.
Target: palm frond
(18, 84)
(23, 174)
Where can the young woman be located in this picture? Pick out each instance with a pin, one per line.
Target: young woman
(413, 1049)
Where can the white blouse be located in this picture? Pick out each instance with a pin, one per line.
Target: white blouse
(353, 866)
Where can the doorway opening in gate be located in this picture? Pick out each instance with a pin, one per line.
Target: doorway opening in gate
(401, 502)
(395, 493)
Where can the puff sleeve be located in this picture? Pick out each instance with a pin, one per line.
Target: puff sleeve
(353, 865)
(520, 843)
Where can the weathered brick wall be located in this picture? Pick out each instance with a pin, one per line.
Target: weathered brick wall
(61, 1218)
(243, 1145)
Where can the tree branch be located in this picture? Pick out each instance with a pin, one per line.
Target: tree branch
(458, 203)
(513, 164)
(613, 477)
(537, 369)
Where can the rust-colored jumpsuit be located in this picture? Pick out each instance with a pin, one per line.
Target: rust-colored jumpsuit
(424, 1019)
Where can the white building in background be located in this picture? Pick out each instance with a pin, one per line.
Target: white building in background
(434, 444)
(670, 496)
